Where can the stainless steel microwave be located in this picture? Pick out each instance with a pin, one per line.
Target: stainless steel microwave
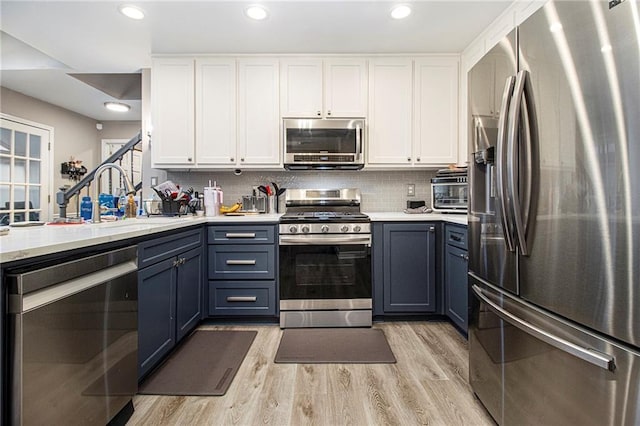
(323, 144)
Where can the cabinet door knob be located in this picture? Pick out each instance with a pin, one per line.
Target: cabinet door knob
(242, 159)
(189, 159)
(328, 112)
(319, 113)
(408, 158)
(231, 159)
(418, 159)
(432, 229)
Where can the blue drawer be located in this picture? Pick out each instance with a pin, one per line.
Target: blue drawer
(456, 236)
(241, 234)
(251, 262)
(242, 298)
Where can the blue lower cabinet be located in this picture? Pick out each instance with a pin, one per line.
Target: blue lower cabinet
(156, 313)
(189, 291)
(250, 298)
(456, 265)
(405, 268)
(242, 265)
(170, 291)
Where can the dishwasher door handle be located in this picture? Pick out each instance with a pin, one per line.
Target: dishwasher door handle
(24, 303)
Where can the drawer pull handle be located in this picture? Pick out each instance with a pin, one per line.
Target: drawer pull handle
(242, 299)
(241, 262)
(240, 235)
(456, 237)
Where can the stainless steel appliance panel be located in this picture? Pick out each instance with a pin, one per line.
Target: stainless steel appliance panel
(584, 64)
(307, 319)
(74, 343)
(486, 361)
(318, 143)
(565, 373)
(492, 255)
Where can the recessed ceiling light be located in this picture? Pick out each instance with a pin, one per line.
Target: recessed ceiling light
(117, 106)
(131, 11)
(256, 12)
(400, 11)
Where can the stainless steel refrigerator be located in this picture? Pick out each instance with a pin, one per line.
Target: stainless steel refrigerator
(554, 218)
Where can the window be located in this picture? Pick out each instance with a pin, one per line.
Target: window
(25, 170)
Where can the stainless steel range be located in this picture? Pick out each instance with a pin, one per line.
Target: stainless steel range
(325, 260)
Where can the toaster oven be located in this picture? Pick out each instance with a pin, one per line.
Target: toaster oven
(450, 194)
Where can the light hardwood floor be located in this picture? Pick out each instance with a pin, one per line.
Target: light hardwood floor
(428, 385)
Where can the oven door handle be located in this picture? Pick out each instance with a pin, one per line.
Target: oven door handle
(307, 240)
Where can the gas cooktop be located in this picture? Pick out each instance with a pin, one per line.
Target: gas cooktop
(328, 216)
(323, 206)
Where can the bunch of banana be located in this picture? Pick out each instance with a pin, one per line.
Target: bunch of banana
(231, 209)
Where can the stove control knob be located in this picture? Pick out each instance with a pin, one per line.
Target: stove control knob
(305, 229)
(344, 228)
(357, 228)
(324, 229)
(293, 229)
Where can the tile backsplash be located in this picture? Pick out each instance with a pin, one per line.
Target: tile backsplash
(382, 191)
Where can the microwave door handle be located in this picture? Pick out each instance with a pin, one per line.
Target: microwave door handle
(358, 139)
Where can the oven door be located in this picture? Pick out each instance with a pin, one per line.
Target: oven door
(324, 269)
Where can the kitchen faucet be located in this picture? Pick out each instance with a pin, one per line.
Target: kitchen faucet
(95, 216)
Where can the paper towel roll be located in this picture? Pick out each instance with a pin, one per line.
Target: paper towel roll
(211, 207)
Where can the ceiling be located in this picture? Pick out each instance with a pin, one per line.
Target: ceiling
(45, 41)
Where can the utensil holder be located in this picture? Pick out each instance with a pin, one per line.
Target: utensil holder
(254, 204)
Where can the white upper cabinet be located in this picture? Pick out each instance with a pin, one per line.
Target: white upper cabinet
(345, 87)
(258, 112)
(222, 112)
(215, 113)
(436, 110)
(323, 88)
(301, 88)
(413, 111)
(390, 112)
(172, 111)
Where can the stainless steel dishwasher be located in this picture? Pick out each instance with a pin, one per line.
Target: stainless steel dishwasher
(74, 339)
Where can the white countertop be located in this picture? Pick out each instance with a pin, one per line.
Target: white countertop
(23, 243)
(460, 219)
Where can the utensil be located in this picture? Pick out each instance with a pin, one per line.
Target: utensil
(263, 189)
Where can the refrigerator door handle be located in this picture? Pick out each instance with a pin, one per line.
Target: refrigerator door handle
(602, 360)
(513, 154)
(501, 163)
(530, 173)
